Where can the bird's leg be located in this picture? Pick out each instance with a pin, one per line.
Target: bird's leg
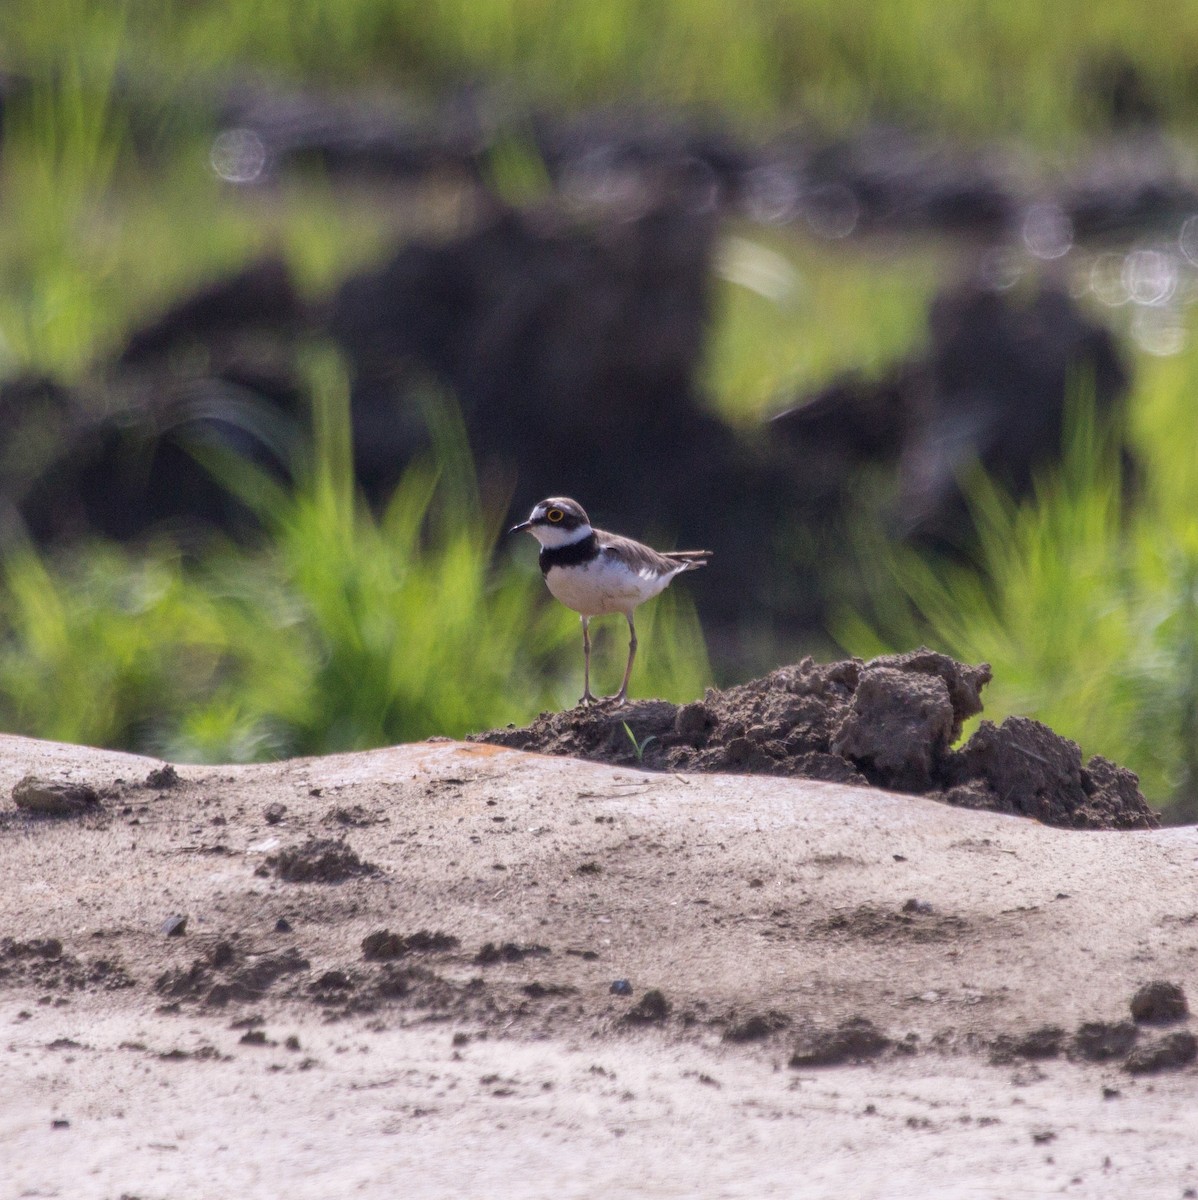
(622, 694)
(587, 698)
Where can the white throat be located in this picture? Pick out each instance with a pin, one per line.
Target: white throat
(551, 537)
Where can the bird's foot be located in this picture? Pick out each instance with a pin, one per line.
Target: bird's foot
(617, 700)
(588, 698)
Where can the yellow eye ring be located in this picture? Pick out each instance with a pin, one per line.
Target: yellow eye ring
(554, 515)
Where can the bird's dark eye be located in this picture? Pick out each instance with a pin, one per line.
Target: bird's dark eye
(554, 515)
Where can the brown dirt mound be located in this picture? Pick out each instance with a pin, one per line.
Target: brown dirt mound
(853, 1040)
(56, 798)
(319, 860)
(890, 722)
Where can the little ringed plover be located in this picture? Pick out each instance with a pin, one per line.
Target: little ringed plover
(596, 573)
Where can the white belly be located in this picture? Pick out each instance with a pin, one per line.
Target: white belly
(602, 586)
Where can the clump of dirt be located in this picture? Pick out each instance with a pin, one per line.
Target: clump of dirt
(43, 963)
(353, 815)
(420, 988)
(319, 860)
(1158, 1003)
(890, 722)
(1044, 1042)
(383, 945)
(163, 778)
(912, 924)
(539, 991)
(756, 1028)
(224, 974)
(35, 948)
(205, 1053)
(250, 981)
(852, 1040)
(1030, 770)
(1169, 1053)
(1100, 1041)
(54, 797)
(651, 1009)
(508, 952)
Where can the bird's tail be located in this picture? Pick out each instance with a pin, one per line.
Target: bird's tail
(689, 560)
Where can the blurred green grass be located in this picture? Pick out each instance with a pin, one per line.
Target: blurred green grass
(345, 628)
(971, 68)
(793, 312)
(1085, 606)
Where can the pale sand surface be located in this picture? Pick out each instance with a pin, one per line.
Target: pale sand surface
(734, 896)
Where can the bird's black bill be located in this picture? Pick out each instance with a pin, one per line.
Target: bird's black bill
(521, 527)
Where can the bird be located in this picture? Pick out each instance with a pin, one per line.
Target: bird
(596, 573)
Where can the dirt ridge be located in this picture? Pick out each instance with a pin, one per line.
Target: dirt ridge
(890, 722)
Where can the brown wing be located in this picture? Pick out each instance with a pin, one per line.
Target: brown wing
(640, 557)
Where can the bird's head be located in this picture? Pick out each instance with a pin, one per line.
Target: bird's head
(557, 521)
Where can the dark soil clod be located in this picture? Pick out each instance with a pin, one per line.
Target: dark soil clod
(1023, 767)
(33, 948)
(333, 981)
(216, 979)
(258, 975)
(55, 798)
(425, 941)
(319, 860)
(853, 1040)
(383, 945)
(755, 1028)
(354, 816)
(651, 1009)
(880, 924)
(1166, 1053)
(1158, 1003)
(507, 952)
(43, 963)
(222, 954)
(163, 778)
(539, 991)
(898, 729)
(890, 722)
(1101, 1041)
(1045, 1042)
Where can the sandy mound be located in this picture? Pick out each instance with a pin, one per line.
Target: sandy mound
(890, 722)
(403, 971)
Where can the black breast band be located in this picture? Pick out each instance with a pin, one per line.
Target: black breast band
(569, 555)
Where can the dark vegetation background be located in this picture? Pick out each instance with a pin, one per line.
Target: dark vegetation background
(301, 302)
